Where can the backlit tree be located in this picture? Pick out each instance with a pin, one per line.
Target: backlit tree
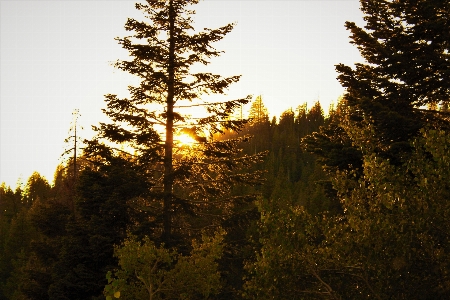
(258, 111)
(406, 48)
(187, 182)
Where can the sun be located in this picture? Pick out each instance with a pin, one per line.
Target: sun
(185, 139)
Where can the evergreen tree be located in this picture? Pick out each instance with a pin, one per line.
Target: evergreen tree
(290, 171)
(406, 48)
(386, 171)
(258, 128)
(315, 117)
(34, 242)
(16, 253)
(10, 203)
(258, 111)
(19, 234)
(37, 188)
(187, 182)
(389, 242)
(105, 209)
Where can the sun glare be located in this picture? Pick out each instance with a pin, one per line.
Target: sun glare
(185, 139)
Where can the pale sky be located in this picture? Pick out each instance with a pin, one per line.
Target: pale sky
(55, 57)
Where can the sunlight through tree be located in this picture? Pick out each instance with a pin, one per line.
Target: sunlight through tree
(184, 186)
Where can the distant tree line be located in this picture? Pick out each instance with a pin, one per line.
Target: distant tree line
(58, 241)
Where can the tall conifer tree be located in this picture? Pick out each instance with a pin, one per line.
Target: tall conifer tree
(406, 46)
(258, 111)
(187, 181)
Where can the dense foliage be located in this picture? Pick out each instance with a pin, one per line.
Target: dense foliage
(54, 248)
(185, 182)
(390, 242)
(385, 148)
(353, 205)
(401, 86)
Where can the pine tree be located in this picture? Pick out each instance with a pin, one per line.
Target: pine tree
(37, 188)
(406, 48)
(187, 181)
(258, 111)
(406, 45)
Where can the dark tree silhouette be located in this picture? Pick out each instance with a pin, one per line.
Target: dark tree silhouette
(187, 182)
(406, 48)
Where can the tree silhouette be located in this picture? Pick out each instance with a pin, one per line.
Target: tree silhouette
(170, 99)
(406, 48)
(258, 111)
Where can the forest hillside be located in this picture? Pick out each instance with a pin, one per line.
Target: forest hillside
(348, 205)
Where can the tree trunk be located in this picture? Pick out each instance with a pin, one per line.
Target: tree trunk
(168, 147)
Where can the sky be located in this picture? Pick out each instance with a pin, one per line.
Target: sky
(56, 56)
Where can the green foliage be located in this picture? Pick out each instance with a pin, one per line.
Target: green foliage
(389, 238)
(10, 206)
(50, 217)
(104, 211)
(75, 228)
(287, 265)
(391, 241)
(79, 270)
(151, 272)
(16, 252)
(406, 41)
(10, 203)
(403, 221)
(377, 230)
(332, 145)
(291, 173)
(405, 45)
(37, 187)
